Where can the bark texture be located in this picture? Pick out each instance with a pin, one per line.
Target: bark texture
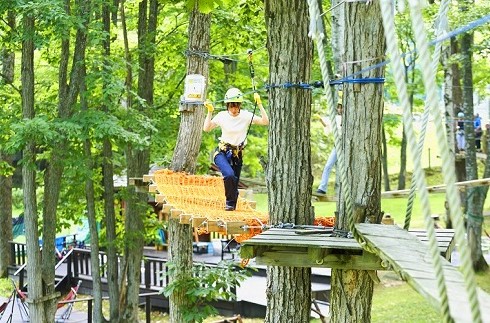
(108, 194)
(362, 119)
(289, 178)
(476, 195)
(138, 164)
(34, 277)
(185, 157)
(453, 97)
(7, 77)
(192, 115)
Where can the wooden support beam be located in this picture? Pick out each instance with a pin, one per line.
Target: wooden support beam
(175, 214)
(301, 258)
(137, 181)
(198, 221)
(185, 218)
(148, 178)
(159, 198)
(153, 188)
(439, 188)
(217, 226)
(167, 208)
(235, 227)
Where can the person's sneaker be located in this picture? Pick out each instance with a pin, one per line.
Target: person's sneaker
(319, 191)
(229, 208)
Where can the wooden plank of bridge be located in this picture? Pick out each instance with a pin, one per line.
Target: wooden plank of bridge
(410, 259)
(439, 188)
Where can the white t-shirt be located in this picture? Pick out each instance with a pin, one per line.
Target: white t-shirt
(233, 129)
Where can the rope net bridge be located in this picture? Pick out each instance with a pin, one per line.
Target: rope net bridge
(200, 200)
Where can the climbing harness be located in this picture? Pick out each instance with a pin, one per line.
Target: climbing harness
(233, 153)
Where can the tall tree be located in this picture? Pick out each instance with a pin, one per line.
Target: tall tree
(185, 156)
(7, 57)
(34, 276)
(289, 176)
(108, 178)
(69, 88)
(138, 158)
(476, 195)
(453, 97)
(352, 290)
(91, 210)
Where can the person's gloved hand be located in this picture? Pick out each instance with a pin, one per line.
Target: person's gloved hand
(257, 98)
(209, 106)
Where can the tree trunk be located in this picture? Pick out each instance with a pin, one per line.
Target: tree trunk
(402, 174)
(352, 290)
(8, 64)
(386, 177)
(5, 217)
(67, 97)
(34, 276)
(289, 178)
(409, 64)
(185, 157)
(138, 161)
(476, 195)
(91, 213)
(108, 182)
(453, 104)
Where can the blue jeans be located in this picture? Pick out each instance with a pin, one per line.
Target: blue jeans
(332, 159)
(230, 168)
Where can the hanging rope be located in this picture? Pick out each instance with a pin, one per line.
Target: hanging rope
(419, 179)
(252, 76)
(448, 168)
(441, 29)
(317, 35)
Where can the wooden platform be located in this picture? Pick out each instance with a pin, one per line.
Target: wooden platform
(287, 247)
(404, 252)
(410, 259)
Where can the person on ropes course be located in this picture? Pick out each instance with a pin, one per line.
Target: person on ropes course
(234, 124)
(332, 158)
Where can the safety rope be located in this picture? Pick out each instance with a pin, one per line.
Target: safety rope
(252, 76)
(441, 28)
(448, 168)
(317, 36)
(419, 179)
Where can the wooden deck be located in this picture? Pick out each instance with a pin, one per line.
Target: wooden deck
(287, 247)
(410, 259)
(404, 252)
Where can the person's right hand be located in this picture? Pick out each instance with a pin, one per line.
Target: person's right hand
(209, 106)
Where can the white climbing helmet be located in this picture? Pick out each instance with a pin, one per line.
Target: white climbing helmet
(460, 115)
(233, 95)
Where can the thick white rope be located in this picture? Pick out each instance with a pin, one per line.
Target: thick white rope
(448, 168)
(441, 30)
(419, 178)
(317, 35)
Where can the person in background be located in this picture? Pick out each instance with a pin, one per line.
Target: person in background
(478, 132)
(460, 141)
(234, 124)
(485, 136)
(332, 158)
